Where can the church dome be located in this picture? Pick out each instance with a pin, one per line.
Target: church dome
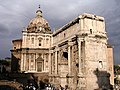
(38, 24)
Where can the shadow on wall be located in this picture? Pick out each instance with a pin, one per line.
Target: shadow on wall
(15, 67)
(21, 81)
(15, 81)
(6, 87)
(103, 80)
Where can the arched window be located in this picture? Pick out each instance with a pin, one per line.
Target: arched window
(65, 55)
(40, 41)
(100, 64)
(91, 31)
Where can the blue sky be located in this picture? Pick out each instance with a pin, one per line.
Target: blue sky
(16, 14)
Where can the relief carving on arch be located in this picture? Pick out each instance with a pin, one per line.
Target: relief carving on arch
(62, 51)
(75, 53)
(63, 55)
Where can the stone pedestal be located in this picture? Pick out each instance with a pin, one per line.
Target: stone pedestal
(70, 82)
(81, 82)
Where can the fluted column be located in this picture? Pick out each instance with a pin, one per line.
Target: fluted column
(36, 62)
(49, 63)
(44, 55)
(70, 76)
(56, 60)
(79, 56)
(69, 62)
(81, 83)
(22, 62)
(69, 56)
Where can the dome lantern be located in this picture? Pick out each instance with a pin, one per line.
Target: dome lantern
(39, 12)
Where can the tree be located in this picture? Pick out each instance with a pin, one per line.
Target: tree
(116, 69)
(4, 62)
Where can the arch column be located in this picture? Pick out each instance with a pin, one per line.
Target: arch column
(70, 43)
(56, 60)
(70, 76)
(50, 62)
(81, 78)
(56, 76)
(24, 61)
(44, 57)
(79, 56)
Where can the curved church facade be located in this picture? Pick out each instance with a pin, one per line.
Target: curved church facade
(76, 56)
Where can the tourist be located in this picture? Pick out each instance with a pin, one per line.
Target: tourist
(61, 88)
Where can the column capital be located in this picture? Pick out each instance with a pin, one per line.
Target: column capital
(80, 39)
(80, 75)
(51, 51)
(69, 75)
(79, 35)
(57, 48)
(70, 43)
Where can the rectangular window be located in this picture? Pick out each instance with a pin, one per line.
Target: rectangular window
(32, 57)
(47, 41)
(39, 66)
(40, 42)
(32, 40)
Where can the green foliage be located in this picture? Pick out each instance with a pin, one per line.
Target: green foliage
(116, 69)
(4, 62)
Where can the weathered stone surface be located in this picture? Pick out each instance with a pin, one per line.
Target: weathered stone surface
(75, 55)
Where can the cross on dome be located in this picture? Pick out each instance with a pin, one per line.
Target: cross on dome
(39, 6)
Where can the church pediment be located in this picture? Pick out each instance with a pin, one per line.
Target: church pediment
(40, 59)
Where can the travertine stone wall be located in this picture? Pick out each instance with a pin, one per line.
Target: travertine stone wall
(87, 56)
(110, 63)
(32, 40)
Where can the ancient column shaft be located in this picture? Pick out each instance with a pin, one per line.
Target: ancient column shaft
(56, 62)
(49, 62)
(79, 56)
(69, 59)
(69, 56)
(22, 66)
